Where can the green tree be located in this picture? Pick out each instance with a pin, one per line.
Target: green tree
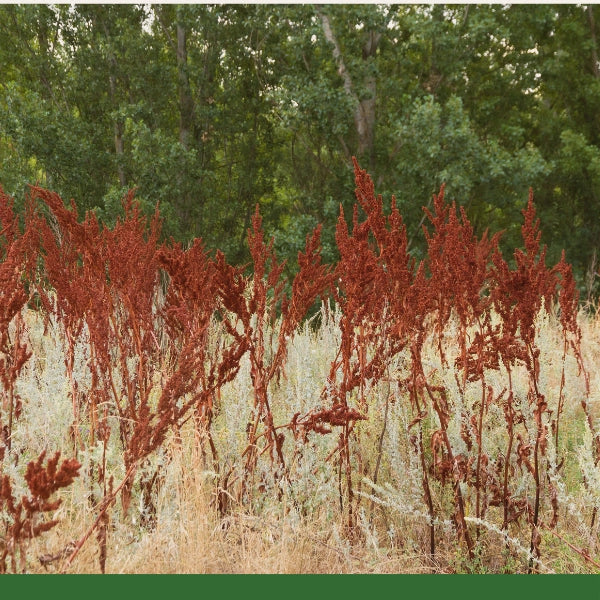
(210, 109)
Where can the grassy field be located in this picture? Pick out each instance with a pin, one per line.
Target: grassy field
(432, 416)
(298, 525)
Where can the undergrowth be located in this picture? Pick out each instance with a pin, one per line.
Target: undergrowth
(433, 416)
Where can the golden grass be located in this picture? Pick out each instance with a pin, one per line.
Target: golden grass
(302, 532)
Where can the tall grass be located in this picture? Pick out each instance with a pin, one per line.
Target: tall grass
(438, 416)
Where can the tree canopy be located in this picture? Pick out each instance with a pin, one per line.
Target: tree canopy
(208, 110)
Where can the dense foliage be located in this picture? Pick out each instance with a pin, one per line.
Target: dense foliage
(209, 109)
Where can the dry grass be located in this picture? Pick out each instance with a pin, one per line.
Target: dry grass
(303, 532)
(191, 538)
(443, 418)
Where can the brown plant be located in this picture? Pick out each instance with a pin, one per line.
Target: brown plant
(18, 252)
(22, 520)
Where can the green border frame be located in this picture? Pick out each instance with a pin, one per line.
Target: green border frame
(365, 587)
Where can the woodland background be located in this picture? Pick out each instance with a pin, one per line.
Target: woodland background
(211, 109)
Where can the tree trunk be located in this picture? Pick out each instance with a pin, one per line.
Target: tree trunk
(186, 126)
(186, 102)
(118, 126)
(595, 65)
(364, 113)
(365, 119)
(118, 131)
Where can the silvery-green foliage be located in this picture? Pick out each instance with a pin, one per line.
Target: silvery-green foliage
(234, 413)
(44, 390)
(590, 470)
(310, 484)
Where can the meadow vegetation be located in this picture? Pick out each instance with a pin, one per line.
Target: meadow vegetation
(165, 411)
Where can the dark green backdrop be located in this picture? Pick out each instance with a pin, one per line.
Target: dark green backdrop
(210, 109)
